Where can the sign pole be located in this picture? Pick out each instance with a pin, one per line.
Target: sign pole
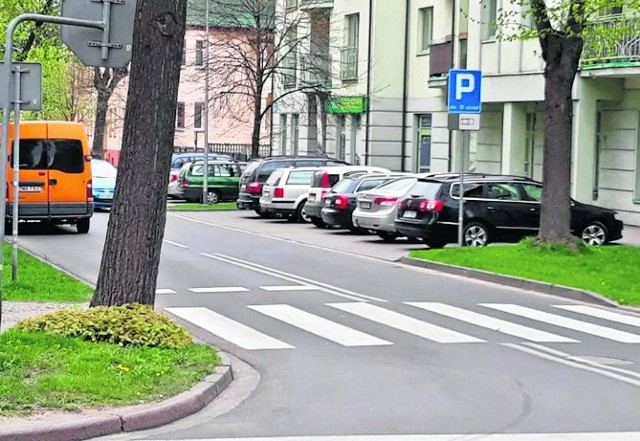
(205, 111)
(461, 200)
(16, 172)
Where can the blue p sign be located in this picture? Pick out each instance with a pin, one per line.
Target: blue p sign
(464, 91)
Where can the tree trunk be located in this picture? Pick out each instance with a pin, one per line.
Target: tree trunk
(563, 55)
(131, 255)
(102, 106)
(257, 124)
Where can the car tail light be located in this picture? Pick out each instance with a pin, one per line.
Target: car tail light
(278, 192)
(184, 183)
(340, 202)
(435, 205)
(323, 193)
(384, 201)
(325, 180)
(254, 187)
(174, 177)
(90, 188)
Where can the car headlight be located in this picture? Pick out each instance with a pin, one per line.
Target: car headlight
(617, 216)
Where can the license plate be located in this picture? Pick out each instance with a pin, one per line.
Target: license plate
(312, 197)
(410, 214)
(365, 205)
(30, 189)
(266, 194)
(106, 196)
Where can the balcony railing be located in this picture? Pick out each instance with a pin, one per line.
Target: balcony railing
(612, 41)
(349, 64)
(315, 70)
(309, 4)
(441, 59)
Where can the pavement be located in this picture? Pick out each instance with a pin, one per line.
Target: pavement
(60, 427)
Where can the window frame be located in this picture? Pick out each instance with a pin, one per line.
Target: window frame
(425, 17)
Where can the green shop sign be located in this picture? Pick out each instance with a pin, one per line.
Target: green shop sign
(346, 104)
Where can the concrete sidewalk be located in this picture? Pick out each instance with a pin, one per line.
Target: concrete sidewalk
(630, 236)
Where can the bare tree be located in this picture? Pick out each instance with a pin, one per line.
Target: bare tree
(131, 255)
(256, 46)
(105, 81)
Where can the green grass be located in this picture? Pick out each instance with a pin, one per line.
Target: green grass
(39, 282)
(607, 270)
(202, 207)
(43, 372)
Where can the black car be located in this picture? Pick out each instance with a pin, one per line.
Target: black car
(340, 202)
(257, 172)
(497, 208)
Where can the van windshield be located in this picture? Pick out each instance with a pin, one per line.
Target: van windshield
(64, 155)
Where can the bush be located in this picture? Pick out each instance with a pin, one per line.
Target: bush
(131, 324)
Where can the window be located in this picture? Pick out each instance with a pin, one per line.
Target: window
(504, 192)
(288, 4)
(425, 32)
(180, 116)
(64, 155)
(226, 170)
(489, 19)
(370, 184)
(283, 134)
(300, 177)
(352, 30)
(198, 110)
(424, 143)
(184, 53)
(290, 58)
(269, 167)
(533, 192)
(274, 178)
(349, 53)
(199, 52)
(471, 190)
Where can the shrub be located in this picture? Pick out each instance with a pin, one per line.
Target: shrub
(131, 324)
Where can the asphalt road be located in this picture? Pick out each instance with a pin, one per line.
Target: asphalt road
(336, 338)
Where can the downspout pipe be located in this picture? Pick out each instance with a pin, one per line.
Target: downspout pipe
(405, 86)
(368, 111)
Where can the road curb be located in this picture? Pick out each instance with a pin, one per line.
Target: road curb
(134, 418)
(517, 282)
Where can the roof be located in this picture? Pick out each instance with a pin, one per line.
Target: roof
(226, 13)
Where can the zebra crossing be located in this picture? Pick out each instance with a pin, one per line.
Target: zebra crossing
(242, 333)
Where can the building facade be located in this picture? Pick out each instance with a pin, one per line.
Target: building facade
(385, 100)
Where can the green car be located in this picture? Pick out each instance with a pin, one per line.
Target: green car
(222, 181)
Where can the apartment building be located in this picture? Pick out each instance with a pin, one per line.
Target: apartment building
(384, 94)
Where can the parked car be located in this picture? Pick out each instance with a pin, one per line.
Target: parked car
(180, 159)
(340, 202)
(285, 193)
(104, 183)
(376, 209)
(326, 177)
(222, 181)
(258, 171)
(497, 208)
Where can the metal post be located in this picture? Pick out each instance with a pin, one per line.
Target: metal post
(16, 174)
(106, 19)
(205, 184)
(461, 201)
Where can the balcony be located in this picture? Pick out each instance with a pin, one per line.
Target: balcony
(440, 61)
(315, 70)
(349, 64)
(611, 42)
(313, 4)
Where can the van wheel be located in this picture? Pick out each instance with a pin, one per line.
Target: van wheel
(212, 197)
(82, 225)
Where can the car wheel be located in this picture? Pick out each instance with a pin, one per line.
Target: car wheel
(595, 233)
(387, 236)
(476, 235)
(318, 222)
(212, 197)
(82, 225)
(301, 214)
(435, 244)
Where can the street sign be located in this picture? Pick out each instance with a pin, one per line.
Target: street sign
(30, 85)
(464, 121)
(110, 47)
(464, 91)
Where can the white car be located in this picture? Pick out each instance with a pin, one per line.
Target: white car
(285, 193)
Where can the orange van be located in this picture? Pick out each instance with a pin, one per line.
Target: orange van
(55, 174)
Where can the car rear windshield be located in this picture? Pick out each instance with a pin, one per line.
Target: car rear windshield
(274, 178)
(268, 168)
(318, 177)
(250, 169)
(103, 169)
(342, 186)
(64, 155)
(426, 189)
(401, 184)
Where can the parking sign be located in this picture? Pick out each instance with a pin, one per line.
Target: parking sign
(464, 91)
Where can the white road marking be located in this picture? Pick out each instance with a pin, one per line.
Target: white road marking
(227, 329)
(175, 244)
(602, 313)
(165, 291)
(319, 326)
(564, 322)
(404, 323)
(492, 323)
(218, 289)
(573, 436)
(596, 370)
(291, 278)
(290, 288)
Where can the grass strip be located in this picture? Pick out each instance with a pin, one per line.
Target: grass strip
(202, 207)
(607, 270)
(44, 372)
(40, 282)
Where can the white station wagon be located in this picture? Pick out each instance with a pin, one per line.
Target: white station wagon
(285, 193)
